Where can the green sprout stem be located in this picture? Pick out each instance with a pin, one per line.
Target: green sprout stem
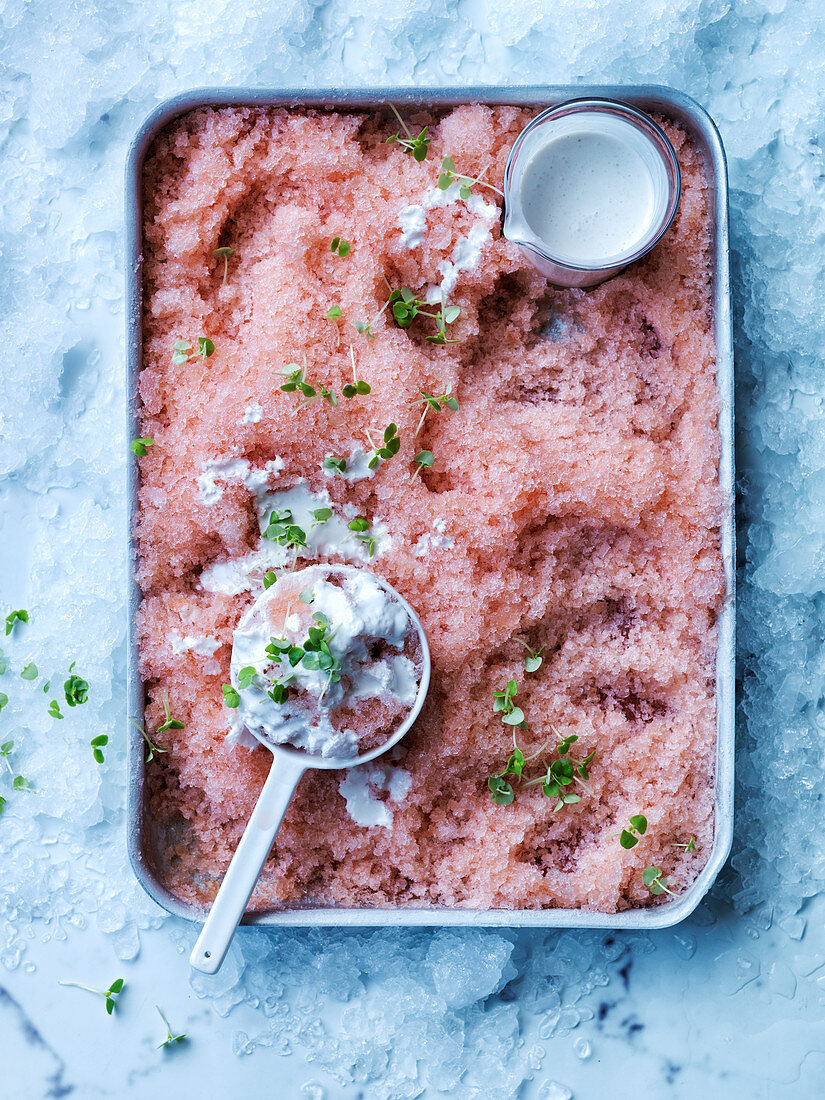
(110, 995)
(151, 747)
(171, 1038)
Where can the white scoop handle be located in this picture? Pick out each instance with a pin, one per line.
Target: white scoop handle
(250, 855)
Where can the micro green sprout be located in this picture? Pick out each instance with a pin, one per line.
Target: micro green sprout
(423, 461)
(224, 253)
(391, 446)
(182, 351)
(3, 663)
(4, 699)
(75, 689)
(269, 578)
(29, 671)
(283, 531)
(448, 176)
(141, 446)
(418, 145)
(333, 313)
(637, 828)
(15, 617)
(307, 596)
(312, 654)
(361, 531)
(430, 401)
(151, 747)
(18, 783)
(340, 247)
(296, 380)
(231, 698)
(689, 847)
(365, 328)
(503, 704)
(406, 307)
(532, 662)
(109, 995)
(97, 744)
(335, 465)
(656, 882)
(358, 385)
(171, 1038)
(54, 709)
(559, 774)
(169, 722)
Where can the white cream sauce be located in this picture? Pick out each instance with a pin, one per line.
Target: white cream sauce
(588, 196)
(332, 539)
(358, 788)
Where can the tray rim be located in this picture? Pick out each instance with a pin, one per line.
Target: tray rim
(681, 108)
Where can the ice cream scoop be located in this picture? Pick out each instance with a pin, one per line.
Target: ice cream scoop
(318, 651)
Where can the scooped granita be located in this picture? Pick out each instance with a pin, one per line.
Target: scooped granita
(344, 363)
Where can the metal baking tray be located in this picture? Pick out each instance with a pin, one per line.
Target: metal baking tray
(673, 104)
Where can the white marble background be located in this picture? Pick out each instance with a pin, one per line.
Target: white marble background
(728, 1004)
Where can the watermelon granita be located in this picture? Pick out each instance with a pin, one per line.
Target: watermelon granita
(534, 469)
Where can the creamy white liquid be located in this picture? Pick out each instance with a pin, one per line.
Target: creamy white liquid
(588, 196)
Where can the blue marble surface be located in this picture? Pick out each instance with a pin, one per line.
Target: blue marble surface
(730, 1003)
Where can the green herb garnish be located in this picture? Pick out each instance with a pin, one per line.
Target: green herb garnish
(406, 307)
(532, 662)
(333, 313)
(182, 350)
(359, 526)
(15, 617)
(418, 145)
(448, 175)
(689, 847)
(321, 515)
(283, 531)
(503, 704)
(97, 744)
(391, 446)
(423, 461)
(170, 1039)
(54, 709)
(231, 698)
(169, 722)
(205, 347)
(18, 783)
(110, 995)
(340, 246)
(224, 253)
(75, 689)
(4, 699)
(656, 882)
(247, 676)
(637, 828)
(430, 401)
(559, 773)
(140, 446)
(307, 596)
(296, 380)
(151, 747)
(358, 385)
(335, 465)
(501, 792)
(29, 671)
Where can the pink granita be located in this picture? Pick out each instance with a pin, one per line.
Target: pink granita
(573, 502)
